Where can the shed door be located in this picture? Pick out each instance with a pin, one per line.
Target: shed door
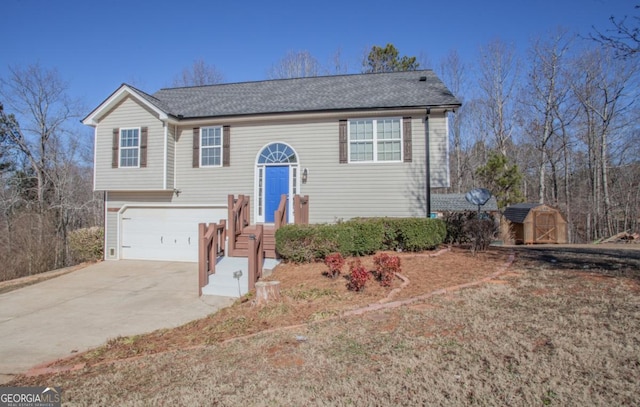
(545, 227)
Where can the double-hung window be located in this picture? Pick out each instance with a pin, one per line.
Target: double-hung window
(211, 146)
(375, 140)
(129, 147)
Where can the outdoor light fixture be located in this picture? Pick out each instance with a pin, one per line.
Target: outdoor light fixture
(237, 274)
(305, 175)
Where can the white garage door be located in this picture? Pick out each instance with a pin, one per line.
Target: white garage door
(164, 233)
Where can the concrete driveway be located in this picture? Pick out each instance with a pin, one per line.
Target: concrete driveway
(83, 309)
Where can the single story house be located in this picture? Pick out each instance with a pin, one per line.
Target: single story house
(441, 203)
(356, 145)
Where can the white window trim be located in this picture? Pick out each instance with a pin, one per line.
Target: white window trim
(202, 148)
(374, 140)
(120, 148)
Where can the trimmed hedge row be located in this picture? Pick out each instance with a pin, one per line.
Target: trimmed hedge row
(358, 237)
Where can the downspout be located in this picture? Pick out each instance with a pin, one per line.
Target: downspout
(175, 165)
(428, 167)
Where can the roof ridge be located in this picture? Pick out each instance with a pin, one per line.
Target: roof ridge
(294, 79)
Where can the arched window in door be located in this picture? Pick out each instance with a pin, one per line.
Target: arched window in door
(277, 153)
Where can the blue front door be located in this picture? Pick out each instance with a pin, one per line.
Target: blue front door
(276, 184)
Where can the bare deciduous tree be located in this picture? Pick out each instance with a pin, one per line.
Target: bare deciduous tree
(497, 82)
(198, 74)
(624, 37)
(38, 97)
(41, 194)
(545, 94)
(453, 73)
(603, 88)
(296, 64)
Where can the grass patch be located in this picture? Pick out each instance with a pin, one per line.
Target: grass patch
(539, 336)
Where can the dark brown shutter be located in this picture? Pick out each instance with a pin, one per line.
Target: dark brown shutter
(196, 147)
(406, 139)
(226, 144)
(143, 147)
(114, 147)
(344, 151)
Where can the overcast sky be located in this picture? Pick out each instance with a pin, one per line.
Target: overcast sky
(96, 46)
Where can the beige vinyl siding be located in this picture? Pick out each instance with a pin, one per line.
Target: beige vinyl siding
(111, 236)
(438, 149)
(129, 113)
(336, 191)
(171, 149)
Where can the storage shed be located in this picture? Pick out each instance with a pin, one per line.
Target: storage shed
(536, 223)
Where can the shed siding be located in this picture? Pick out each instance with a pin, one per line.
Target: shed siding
(129, 113)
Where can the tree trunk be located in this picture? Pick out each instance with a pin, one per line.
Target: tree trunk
(267, 291)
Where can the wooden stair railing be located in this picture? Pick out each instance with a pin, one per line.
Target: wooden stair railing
(211, 245)
(253, 241)
(301, 209)
(280, 216)
(256, 256)
(239, 215)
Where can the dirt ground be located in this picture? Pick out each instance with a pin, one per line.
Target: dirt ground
(308, 295)
(558, 327)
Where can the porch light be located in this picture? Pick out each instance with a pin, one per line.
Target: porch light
(305, 175)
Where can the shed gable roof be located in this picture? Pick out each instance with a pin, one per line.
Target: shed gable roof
(322, 93)
(518, 213)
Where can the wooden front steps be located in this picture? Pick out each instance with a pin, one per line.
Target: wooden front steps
(242, 243)
(237, 238)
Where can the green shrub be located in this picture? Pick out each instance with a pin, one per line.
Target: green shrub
(86, 244)
(416, 234)
(295, 243)
(357, 237)
(368, 235)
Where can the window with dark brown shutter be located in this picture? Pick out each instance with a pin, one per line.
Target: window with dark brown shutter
(226, 144)
(407, 139)
(143, 147)
(196, 147)
(114, 148)
(344, 150)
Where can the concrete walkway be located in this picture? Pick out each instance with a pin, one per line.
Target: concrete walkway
(83, 309)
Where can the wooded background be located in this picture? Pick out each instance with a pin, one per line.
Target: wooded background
(555, 124)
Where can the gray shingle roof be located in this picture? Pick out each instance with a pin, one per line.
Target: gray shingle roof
(152, 99)
(343, 92)
(518, 212)
(458, 203)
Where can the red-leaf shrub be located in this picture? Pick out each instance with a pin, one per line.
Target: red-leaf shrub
(358, 277)
(334, 261)
(386, 267)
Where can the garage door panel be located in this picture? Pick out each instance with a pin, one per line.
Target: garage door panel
(164, 233)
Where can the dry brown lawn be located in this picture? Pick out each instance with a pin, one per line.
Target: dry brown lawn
(546, 332)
